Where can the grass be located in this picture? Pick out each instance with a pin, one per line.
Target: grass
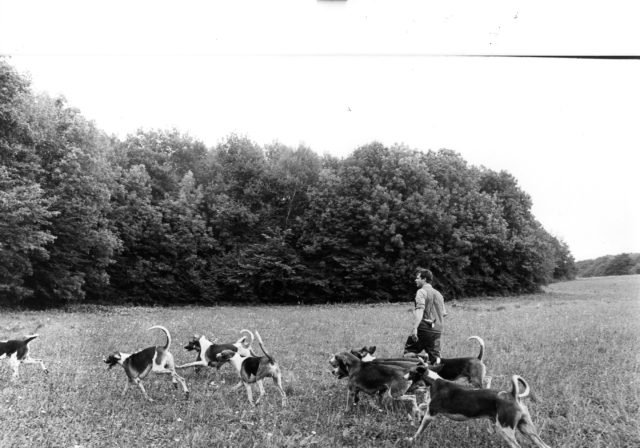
(577, 345)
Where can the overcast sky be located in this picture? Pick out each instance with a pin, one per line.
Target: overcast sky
(336, 75)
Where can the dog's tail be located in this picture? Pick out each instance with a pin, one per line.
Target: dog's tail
(30, 337)
(262, 347)
(166, 332)
(515, 390)
(243, 339)
(481, 342)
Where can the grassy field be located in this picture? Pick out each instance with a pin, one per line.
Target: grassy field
(577, 345)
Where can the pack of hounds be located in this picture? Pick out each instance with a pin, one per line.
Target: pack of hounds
(457, 388)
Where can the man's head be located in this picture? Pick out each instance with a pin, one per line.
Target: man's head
(423, 276)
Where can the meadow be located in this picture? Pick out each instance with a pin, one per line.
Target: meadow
(576, 344)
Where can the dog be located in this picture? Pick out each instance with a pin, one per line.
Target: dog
(462, 403)
(253, 369)
(387, 381)
(472, 369)
(17, 352)
(154, 359)
(208, 351)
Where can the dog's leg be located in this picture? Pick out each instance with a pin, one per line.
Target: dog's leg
(29, 360)
(15, 365)
(247, 386)
(192, 364)
(350, 398)
(261, 389)
(277, 380)
(508, 435)
(528, 429)
(415, 411)
(170, 365)
(175, 378)
(141, 387)
(425, 421)
(126, 387)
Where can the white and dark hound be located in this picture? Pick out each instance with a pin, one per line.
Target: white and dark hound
(208, 351)
(253, 369)
(17, 352)
(461, 403)
(154, 359)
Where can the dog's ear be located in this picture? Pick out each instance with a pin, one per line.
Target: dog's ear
(343, 365)
(436, 368)
(342, 360)
(371, 349)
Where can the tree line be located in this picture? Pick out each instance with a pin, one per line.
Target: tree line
(160, 218)
(621, 264)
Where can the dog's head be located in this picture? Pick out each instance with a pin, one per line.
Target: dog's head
(365, 354)
(225, 355)
(194, 343)
(340, 363)
(113, 359)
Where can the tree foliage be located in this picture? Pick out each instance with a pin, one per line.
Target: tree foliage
(621, 264)
(158, 217)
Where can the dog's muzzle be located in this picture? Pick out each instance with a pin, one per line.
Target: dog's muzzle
(110, 362)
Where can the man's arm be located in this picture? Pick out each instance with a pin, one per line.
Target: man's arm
(417, 318)
(418, 312)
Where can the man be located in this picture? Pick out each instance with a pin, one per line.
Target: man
(427, 319)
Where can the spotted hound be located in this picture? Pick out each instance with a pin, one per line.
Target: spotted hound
(154, 359)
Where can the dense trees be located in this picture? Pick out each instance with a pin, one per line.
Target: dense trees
(56, 241)
(621, 264)
(160, 218)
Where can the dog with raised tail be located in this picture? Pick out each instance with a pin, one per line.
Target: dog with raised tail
(17, 352)
(469, 368)
(253, 369)
(154, 359)
(461, 403)
(208, 351)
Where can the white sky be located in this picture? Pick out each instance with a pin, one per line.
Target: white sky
(335, 75)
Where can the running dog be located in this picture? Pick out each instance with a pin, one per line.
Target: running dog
(460, 403)
(253, 369)
(154, 359)
(17, 352)
(208, 351)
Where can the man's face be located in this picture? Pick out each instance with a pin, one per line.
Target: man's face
(419, 281)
